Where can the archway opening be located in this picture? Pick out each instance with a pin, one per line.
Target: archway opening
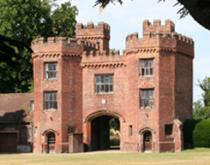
(51, 142)
(147, 141)
(105, 133)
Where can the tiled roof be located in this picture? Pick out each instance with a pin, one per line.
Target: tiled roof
(15, 107)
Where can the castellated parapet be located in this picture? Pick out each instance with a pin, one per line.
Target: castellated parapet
(110, 58)
(156, 27)
(96, 34)
(56, 46)
(162, 37)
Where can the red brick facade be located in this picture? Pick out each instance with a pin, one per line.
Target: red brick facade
(78, 62)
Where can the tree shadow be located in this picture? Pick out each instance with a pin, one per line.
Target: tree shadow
(16, 132)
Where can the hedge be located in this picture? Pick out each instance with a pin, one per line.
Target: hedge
(201, 134)
(188, 128)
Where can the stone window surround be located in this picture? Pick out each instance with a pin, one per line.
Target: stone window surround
(50, 100)
(109, 84)
(146, 67)
(50, 74)
(146, 99)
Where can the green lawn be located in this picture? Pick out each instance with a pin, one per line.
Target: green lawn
(188, 157)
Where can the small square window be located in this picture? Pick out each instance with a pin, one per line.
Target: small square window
(168, 129)
(50, 70)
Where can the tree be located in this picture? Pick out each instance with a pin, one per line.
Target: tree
(21, 21)
(63, 20)
(202, 108)
(200, 111)
(205, 86)
(198, 9)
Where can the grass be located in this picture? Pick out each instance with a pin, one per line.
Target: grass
(191, 157)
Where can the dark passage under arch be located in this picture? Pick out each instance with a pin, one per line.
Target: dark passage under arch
(105, 133)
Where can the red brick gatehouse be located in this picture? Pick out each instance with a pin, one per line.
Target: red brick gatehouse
(80, 84)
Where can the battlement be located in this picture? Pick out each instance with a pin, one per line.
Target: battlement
(111, 58)
(102, 26)
(131, 37)
(88, 46)
(157, 27)
(103, 53)
(183, 38)
(157, 35)
(96, 34)
(102, 30)
(59, 40)
(56, 45)
(170, 40)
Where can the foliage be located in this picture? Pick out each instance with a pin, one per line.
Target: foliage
(205, 86)
(201, 134)
(188, 128)
(200, 111)
(114, 124)
(63, 20)
(198, 9)
(22, 21)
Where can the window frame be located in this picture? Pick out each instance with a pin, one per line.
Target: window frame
(31, 105)
(50, 104)
(148, 70)
(168, 128)
(146, 103)
(107, 84)
(47, 71)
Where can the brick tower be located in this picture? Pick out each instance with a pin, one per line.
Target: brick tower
(159, 68)
(58, 93)
(98, 35)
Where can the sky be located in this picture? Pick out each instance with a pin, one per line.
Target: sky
(129, 17)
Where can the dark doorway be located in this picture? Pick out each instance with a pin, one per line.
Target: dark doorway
(8, 142)
(105, 133)
(147, 141)
(51, 142)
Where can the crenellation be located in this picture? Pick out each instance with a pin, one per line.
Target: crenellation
(133, 36)
(103, 25)
(170, 26)
(156, 27)
(96, 34)
(52, 40)
(56, 44)
(90, 26)
(101, 53)
(185, 39)
(157, 23)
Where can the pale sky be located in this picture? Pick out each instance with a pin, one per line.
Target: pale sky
(129, 17)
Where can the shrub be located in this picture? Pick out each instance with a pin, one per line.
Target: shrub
(188, 128)
(201, 134)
